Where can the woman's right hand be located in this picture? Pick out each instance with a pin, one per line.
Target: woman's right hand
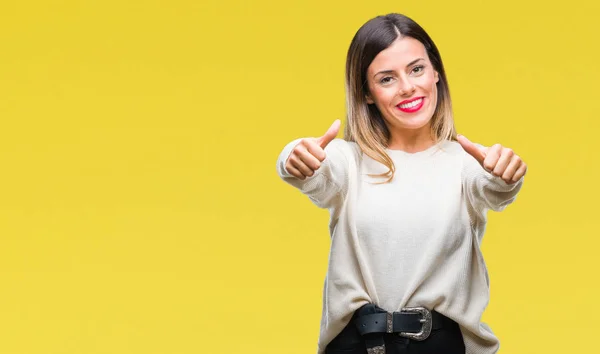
(307, 156)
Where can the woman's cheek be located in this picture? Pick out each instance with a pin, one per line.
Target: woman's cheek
(390, 93)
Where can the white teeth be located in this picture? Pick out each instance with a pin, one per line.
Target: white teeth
(411, 104)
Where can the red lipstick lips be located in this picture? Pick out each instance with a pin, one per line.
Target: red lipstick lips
(411, 108)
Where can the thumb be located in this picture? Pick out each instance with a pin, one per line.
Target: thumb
(329, 135)
(472, 149)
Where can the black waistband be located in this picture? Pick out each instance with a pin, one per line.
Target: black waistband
(372, 322)
(396, 322)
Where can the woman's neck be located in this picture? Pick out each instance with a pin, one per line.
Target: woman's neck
(411, 141)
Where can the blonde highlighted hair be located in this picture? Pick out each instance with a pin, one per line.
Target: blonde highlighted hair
(364, 123)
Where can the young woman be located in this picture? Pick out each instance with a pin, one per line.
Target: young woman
(408, 200)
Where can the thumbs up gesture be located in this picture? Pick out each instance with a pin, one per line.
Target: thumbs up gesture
(307, 156)
(497, 160)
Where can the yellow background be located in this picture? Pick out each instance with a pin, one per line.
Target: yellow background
(140, 210)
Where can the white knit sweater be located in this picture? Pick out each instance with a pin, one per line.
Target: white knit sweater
(412, 242)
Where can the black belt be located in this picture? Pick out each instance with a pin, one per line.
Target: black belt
(414, 323)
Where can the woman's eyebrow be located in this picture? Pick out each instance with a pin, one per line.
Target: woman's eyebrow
(391, 71)
(414, 61)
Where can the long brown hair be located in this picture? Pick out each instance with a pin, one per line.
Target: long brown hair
(365, 125)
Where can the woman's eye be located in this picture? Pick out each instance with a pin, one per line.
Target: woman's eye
(418, 69)
(386, 80)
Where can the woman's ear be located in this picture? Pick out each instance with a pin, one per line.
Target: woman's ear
(369, 99)
(436, 75)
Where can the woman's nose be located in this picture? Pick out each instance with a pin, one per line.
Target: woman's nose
(407, 88)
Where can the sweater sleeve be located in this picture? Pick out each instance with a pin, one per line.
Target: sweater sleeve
(485, 191)
(328, 185)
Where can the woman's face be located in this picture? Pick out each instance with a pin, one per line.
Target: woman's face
(402, 84)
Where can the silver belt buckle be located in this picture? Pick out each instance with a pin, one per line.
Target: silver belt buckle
(426, 320)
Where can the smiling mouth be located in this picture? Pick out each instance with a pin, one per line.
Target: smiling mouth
(411, 106)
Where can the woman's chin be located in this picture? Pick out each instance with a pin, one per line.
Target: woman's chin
(415, 120)
(412, 124)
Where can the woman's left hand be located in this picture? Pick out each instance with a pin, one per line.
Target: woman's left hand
(497, 160)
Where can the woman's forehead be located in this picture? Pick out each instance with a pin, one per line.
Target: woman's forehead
(400, 53)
